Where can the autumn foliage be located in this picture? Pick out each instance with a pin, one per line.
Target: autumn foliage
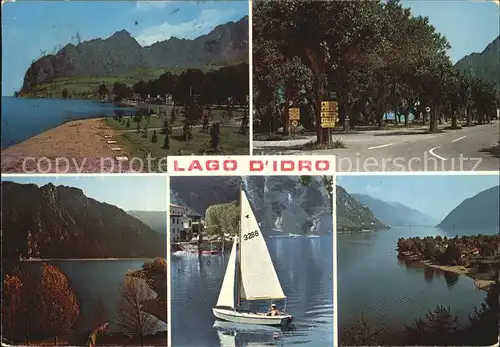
(38, 308)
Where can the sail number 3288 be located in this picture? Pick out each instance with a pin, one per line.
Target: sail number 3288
(250, 235)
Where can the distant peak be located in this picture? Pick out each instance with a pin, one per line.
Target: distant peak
(121, 33)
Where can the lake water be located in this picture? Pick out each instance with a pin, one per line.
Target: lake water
(305, 269)
(372, 280)
(23, 118)
(95, 281)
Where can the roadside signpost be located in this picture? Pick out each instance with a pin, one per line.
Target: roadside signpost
(329, 114)
(293, 119)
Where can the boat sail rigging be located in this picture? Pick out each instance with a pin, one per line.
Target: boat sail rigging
(257, 278)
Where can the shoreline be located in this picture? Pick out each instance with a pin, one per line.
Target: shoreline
(80, 143)
(41, 260)
(481, 283)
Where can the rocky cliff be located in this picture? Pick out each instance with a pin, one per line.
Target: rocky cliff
(353, 215)
(121, 53)
(61, 222)
(281, 204)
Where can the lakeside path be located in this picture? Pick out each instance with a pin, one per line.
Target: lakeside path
(80, 142)
(481, 280)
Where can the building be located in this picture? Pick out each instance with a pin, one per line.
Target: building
(180, 223)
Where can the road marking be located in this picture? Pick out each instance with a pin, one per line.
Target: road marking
(463, 137)
(431, 151)
(381, 146)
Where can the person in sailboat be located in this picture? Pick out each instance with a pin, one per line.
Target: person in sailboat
(273, 311)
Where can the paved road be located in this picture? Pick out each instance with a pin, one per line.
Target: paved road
(453, 150)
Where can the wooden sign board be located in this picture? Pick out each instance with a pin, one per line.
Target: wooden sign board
(294, 113)
(328, 125)
(329, 106)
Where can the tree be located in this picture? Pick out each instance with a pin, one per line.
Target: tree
(322, 34)
(215, 137)
(58, 308)
(65, 93)
(103, 90)
(132, 319)
(363, 333)
(154, 138)
(166, 127)
(244, 124)
(11, 307)
(483, 322)
(452, 255)
(166, 142)
(439, 328)
(121, 91)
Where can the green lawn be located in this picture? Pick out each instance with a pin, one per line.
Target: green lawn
(156, 121)
(232, 142)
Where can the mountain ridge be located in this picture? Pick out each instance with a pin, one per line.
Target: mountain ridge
(352, 215)
(485, 64)
(62, 222)
(120, 53)
(395, 213)
(480, 211)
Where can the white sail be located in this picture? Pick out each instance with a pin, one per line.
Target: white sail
(226, 295)
(258, 276)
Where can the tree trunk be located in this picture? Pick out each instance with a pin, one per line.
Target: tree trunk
(286, 120)
(433, 124)
(318, 67)
(468, 112)
(381, 121)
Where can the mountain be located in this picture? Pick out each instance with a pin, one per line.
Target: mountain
(156, 220)
(281, 204)
(478, 212)
(353, 215)
(61, 222)
(486, 64)
(226, 44)
(394, 213)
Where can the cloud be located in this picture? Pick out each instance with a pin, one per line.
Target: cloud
(147, 5)
(206, 21)
(6, 1)
(493, 1)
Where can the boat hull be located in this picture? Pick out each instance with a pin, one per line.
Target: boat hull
(251, 318)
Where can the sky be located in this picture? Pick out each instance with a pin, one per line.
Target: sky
(435, 196)
(469, 25)
(32, 27)
(144, 193)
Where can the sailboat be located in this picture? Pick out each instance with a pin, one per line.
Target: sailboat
(257, 278)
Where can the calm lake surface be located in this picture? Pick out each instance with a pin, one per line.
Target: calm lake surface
(305, 269)
(23, 118)
(94, 281)
(372, 280)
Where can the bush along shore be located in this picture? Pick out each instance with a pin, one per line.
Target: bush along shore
(475, 256)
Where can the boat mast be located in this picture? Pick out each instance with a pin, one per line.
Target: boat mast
(239, 247)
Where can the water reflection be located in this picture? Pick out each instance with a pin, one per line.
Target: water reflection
(431, 273)
(305, 269)
(234, 334)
